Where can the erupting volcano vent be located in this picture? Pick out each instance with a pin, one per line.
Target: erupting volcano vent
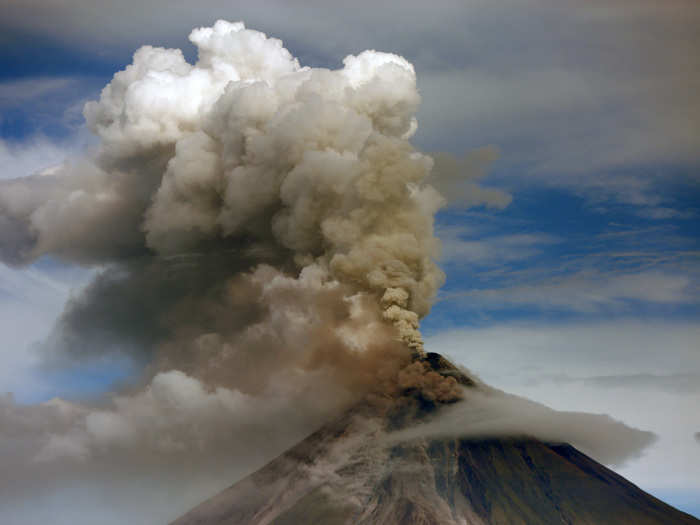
(262, 234)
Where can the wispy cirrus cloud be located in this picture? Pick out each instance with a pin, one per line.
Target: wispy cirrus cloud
(680, 383)
(33, 108)
(606, 268)
(21, 90)
(586, 292)
(464, 246)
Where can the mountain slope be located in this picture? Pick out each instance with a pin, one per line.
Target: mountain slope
(351, 472)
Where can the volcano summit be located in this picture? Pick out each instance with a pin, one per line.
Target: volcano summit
(352, 471)
(263, 244)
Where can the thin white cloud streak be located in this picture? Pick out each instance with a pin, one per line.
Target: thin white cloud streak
(465, 246)
(587, 292)
(17, 91)
(674, 383)
(47, 103)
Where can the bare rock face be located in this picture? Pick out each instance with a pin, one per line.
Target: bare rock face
(351, 472)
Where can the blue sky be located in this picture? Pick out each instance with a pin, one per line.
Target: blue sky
(590, 272)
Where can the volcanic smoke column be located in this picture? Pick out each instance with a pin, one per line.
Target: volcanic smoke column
(246, 151)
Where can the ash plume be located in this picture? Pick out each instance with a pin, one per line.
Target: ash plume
(258, 226)
(264, 238)
(248, 157)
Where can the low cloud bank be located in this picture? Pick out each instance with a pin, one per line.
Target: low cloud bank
(491, 413)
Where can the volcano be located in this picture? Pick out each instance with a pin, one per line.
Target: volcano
(351, 472)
